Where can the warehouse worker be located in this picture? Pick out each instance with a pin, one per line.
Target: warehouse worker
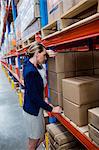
(34, 103)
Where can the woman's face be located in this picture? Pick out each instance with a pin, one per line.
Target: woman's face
(41, 57)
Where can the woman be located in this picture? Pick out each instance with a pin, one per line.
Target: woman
(34, 103)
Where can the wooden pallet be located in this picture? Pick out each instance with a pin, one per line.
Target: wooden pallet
(81, 10)
(29, 34)
(26, 42)
(23, 50)
(30, 39)
(49, 29)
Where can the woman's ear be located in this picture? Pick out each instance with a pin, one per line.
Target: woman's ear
(36, 54)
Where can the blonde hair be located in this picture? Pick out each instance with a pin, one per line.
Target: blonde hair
(35, 47)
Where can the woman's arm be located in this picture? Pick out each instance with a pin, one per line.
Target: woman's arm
(31, 85)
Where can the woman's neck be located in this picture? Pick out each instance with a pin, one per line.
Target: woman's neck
(33, 61)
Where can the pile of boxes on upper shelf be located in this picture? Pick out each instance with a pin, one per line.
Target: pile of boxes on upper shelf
(64, 13)
(8, 41)
(27, 22)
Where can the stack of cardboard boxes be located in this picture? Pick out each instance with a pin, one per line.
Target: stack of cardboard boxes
(80, 94)
(93, 119)
(60, 138)
(66, 65)
(27, 20)
(84, 63)
(60, 67)
(58, 7)
(55, 10)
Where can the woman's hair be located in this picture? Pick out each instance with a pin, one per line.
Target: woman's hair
(32, 49)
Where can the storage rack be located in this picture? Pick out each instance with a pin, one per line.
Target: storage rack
(69, 38)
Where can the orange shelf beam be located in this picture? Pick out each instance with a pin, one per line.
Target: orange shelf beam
(82, 32)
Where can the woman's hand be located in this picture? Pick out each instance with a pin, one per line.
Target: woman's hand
(57, 109)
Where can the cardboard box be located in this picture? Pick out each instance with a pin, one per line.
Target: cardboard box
(71, 62)
(55, 10)
(84, 60)
(55, 129)
(58, 10)
(63, 62)
(59, 134)
(78, 114)
(52, 3)
(63, 147)
(81, 90)
(29, 11)
(93, 117)
(56, 64)
(77, 1)
(56, 98)
(61, 138)
(50, 17)
(94, 134)
(67, 4)
(96, 71)
(55, 79)
(31, 30)
(84, 73)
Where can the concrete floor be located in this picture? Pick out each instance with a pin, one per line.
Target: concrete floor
(12, 130)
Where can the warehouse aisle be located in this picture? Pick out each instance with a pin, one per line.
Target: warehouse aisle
(12, 131)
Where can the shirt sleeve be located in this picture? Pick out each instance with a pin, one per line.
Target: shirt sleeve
(31, 85)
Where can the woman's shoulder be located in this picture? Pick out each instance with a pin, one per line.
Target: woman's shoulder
(29, 69)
